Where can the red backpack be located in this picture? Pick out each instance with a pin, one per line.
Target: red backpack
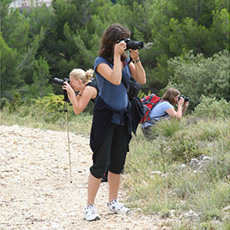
(148, 103)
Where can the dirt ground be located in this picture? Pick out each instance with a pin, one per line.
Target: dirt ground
(35, 188)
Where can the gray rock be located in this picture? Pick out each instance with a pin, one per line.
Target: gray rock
(226, 209)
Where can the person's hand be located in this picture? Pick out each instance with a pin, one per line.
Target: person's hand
(119, 48)
(134, 54)
(67, 87)
(186, 103)
(180, 102)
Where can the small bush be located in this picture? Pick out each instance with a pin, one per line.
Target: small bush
(4, 102)
(51, 103)
(212, 108)
(195, 76)
(164, 128)
(12, 106)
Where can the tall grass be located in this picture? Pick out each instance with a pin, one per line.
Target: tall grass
(162, 179)
(158, 174)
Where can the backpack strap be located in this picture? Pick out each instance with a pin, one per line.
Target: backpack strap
(148, 119)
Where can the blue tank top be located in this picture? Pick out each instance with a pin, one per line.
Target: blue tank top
(113, 95)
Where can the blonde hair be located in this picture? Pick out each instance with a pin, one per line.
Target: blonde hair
(170, 94)
(81, 74)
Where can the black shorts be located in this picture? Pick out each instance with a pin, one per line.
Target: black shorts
(112, 153)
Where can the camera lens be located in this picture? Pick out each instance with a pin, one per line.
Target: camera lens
(186, 99)
(66, 79)
(58, 81)
(134, 45)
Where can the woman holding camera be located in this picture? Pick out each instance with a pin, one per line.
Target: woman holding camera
(88, 90)
(111, 133)
(165, 109)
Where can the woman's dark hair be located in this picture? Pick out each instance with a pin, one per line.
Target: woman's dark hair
(170, 94)
(112, 35)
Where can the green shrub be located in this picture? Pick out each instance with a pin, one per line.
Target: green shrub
(168, 127)
(195, 76)
(12, 106)
(212, 108)
(51, 103)
(4, 102)
(183, 148)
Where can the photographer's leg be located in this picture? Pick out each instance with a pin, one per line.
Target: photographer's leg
(90, 211)
(97, 170)
(117, 161)
(93, 186)
(114, 183)
(99, 167)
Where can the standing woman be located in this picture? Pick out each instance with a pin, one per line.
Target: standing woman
(81, 81)
(110, 133)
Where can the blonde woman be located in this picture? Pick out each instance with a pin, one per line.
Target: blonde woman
(80, 81)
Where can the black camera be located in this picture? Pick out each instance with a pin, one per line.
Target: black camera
(58, 81)
(133, 45)
(185, 98)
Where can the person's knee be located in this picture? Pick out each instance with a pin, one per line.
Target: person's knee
(98, 173)
(116, 169)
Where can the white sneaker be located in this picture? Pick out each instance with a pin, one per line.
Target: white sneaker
(117, 207)
(91, 213)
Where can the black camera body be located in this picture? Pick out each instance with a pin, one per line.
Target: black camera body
(58, 81)
(185, 98)
(133, 45)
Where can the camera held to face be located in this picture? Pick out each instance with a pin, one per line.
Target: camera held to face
(133, 45)
(185, 98)
(58, 81)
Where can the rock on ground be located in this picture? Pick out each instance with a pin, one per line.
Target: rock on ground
(35, 188)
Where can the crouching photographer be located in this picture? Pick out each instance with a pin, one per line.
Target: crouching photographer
(79, 81)
(165, 109)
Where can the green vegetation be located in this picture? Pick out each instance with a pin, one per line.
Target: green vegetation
(45, 113)
(188, 44)
(184, 168)
(185, 165)
(197, 76)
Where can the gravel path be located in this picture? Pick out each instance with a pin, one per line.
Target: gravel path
(35, 190)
